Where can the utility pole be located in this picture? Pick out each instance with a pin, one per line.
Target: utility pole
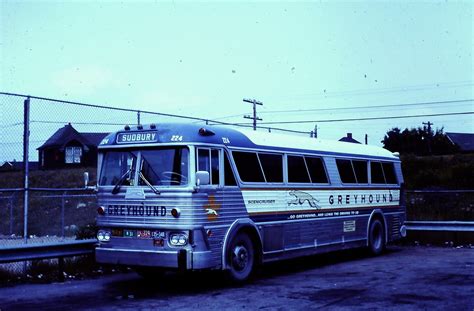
(429, 124)
(315, 132)
(428, 137)
(254, 118)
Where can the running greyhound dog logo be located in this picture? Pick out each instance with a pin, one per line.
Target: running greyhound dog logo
(302, 197)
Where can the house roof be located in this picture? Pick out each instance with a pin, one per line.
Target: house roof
(94, 138)
(465, 141)
(14, 165)
(68, 133)
(349, 139)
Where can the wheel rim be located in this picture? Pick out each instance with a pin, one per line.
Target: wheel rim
(240, 257)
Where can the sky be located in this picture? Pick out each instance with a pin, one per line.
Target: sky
(313, 61)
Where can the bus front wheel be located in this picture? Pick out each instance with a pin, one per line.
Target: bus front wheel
(376, 237)
(240, 258)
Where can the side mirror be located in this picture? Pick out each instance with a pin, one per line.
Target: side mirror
(86, 179)
(202, 178)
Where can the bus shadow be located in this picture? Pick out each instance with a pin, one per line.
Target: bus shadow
(174, 284)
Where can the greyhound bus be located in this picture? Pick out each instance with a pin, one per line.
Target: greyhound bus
(188, 197)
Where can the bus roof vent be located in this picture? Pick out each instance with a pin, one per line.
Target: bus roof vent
(206, 132)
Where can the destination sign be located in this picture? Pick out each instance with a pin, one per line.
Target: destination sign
(137, 137)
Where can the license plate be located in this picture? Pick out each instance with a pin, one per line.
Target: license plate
(117, 232)
(143, 234)
(158, 234)
(129, 233)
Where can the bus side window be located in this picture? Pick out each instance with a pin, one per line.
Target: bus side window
(272, 165)
(297, 171)
(203, 160)
(345, 171)
(215, 167)
(360, 169)
(316, 170)
(376, 172)
(208, 160)
(389, 172)
(248, 166)
(229, 178)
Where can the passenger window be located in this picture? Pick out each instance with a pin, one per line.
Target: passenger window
(204, 160)
(316, 170)
(208, 160)
(389, 172)
(272, 165)
(345, 171)
(297, 171)
(229, 178)
(248, 166)
(214, 166)
(360, 169)
(377, 173)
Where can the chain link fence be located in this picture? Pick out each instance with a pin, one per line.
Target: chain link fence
(62, 145)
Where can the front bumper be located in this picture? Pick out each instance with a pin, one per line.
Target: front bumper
(172, 259)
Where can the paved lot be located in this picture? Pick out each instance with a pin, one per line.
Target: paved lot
(407, 278)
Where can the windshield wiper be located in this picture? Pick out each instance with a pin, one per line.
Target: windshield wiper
(149, 184)
(120, 181)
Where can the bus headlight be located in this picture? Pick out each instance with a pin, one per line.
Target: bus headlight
(178, 239)
(103, 235)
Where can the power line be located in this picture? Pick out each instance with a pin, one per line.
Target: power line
(378, 106)
(81, 123)
(326, 94)
(141, 111)
(370, 119)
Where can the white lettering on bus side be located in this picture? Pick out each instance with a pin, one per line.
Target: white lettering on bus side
(136, 210)
(359, 198)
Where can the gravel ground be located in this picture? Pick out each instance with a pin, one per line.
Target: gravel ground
(407, 278)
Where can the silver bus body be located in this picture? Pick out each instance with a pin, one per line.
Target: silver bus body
(190, 191)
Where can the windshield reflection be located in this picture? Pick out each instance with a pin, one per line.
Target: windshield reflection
(157, 167)
(118, 167)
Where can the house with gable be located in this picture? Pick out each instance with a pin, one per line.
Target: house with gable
(68, 148)
(465, 141)
(349, 139)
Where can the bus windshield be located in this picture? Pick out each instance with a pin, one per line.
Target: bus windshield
(118, 168)
(164, 167)
(156, 167)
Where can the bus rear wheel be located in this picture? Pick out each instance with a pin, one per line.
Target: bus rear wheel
(240, 258)
(376, 237)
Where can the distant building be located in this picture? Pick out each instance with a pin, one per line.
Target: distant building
(69, 148)
(464, 141)
(349, 139)
(9, 166)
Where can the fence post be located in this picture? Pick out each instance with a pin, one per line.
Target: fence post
(11, 213)
(62, 213)
(26, 145)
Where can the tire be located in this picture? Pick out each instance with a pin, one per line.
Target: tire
(240, 258)
(376, 237)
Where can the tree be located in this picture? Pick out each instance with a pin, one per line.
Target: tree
(419, 141)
